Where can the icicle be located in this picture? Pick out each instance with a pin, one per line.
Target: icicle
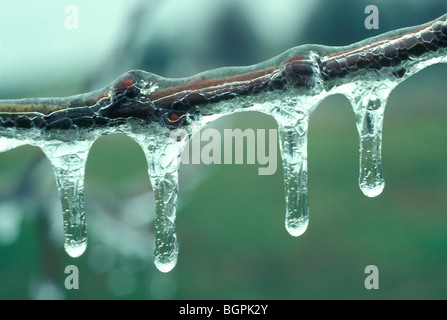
(166, 247)
(68, 160)
(369, 110)
(163, 157)
(149, 107)
(293, 146)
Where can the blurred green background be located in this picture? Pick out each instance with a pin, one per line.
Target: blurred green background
(230, 222)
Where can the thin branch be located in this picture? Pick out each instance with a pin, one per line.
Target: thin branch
(289, 87)
(176, 102)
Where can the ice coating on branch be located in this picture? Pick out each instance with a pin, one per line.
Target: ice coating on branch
(150, 109)
(7, 144)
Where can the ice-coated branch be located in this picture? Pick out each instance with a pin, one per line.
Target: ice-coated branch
(149, 108)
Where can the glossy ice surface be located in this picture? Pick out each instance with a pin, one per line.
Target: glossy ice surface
(150, 109)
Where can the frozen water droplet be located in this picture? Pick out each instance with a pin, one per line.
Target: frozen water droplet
(75, 249)
(293, 142)
(68, 161)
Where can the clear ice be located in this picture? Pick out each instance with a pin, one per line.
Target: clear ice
(163, 154)
(293, 145)
(68, 161)
(288, 88)
(369, 107)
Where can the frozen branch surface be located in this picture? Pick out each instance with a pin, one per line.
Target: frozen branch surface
(149, 108)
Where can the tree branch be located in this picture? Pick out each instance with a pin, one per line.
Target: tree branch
(149, 108)
(176, 102)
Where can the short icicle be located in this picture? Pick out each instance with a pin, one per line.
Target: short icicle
(68, 161)
(163, 157)
(369, 109)
(293, 146)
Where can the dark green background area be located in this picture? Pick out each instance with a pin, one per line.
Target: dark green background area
(232, 239)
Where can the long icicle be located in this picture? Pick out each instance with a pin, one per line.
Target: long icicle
(166, 245)
(163, 156)
(293, 147)
(369, 108)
